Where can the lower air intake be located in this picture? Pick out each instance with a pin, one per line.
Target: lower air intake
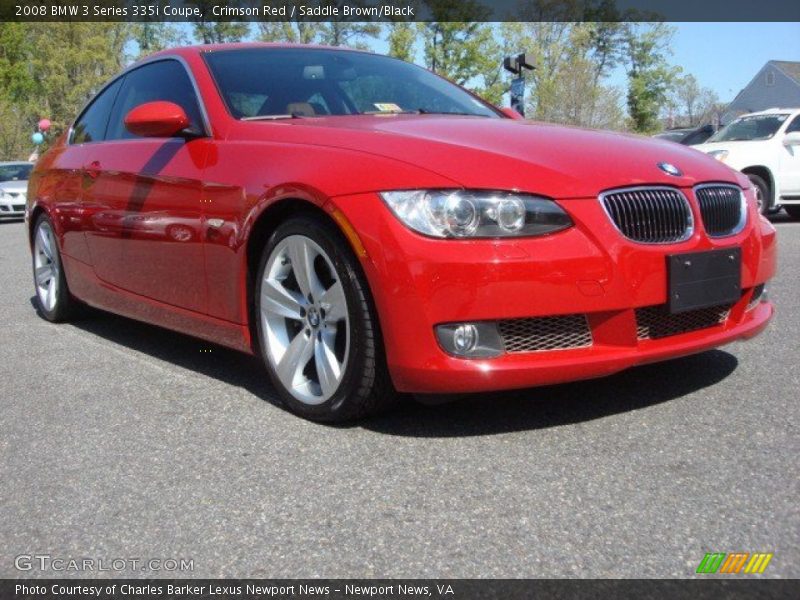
(545, 333)
(654, 322)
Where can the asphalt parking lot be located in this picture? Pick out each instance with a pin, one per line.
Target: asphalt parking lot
(123, 440)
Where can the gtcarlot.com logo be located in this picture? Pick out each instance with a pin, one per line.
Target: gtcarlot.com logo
(734, 563)
(47, 562)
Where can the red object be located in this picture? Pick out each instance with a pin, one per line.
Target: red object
(114, 205)
(156, 119)
(44, 125)
(511, 113)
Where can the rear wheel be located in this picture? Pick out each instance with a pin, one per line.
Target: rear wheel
(53, 299)
(793, 210)
(317, 329)
(763, 194)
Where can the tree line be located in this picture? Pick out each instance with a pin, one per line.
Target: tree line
(51, 69)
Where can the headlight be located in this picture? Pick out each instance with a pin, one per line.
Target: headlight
(476, 214)
(720, 155)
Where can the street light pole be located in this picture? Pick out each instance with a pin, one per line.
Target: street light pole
(517, 65)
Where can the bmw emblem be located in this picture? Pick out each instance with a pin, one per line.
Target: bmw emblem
(670, 169)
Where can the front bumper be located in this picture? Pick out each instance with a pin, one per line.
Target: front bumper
(590, 270)
(12, 206)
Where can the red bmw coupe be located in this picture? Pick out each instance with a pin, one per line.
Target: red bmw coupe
(369, 228)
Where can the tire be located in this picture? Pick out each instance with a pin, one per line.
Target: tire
(763, 193)
(793, 211)
(318, 331)
(53, 300)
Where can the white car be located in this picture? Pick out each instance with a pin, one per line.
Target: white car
(13, 188)
(765, 146)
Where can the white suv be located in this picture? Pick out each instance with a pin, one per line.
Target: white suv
(765, 146)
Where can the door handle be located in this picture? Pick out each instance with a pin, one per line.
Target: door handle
(93, 169)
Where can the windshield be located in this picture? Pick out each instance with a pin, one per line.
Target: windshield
(756, 127)
(15, 172)
(308, 82)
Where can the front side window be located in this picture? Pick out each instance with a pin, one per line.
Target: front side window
(91, 125)
(794, 125)
(752, 128)
(271, 82)
(164, 80)
(15, 172)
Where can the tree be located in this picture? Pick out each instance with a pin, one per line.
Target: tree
(295, 32)
(152, 36)
(51, 70)
(649, 74)
(216, 32)
(460, 47)
(687, 92)
(16, 128)
(581, 101)
(351, 34)
(695, 104)
(16, 80)
(710, 109)
(69, 63)
(401, 38)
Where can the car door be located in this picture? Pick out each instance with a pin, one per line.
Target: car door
(60, 173)
(790, 163)
(145, 192)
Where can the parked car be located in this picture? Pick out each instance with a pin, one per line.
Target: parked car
(688, 136)
(369, 228)
(766, 147)
(13, 188)
(673, 135)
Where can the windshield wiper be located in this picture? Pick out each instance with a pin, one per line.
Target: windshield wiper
(425, 111)
(272, 117)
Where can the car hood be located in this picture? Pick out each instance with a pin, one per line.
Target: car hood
(14, 187)
(477, 152)
(730, 146)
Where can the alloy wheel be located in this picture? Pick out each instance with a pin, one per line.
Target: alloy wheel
(304, 318)
(46, 266)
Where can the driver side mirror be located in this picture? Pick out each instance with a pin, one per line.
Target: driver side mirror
(792, 139)
(157, 119)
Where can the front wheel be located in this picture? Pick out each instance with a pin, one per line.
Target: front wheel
(53, 300)
(763, 194)
(317, 329)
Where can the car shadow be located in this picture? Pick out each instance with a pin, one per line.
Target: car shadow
(780, 217)
(471, 415)
(226, 365)
(556, 405)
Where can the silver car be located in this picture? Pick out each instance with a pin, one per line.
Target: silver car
(13, 188)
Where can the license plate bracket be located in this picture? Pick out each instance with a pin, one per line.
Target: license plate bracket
(702, 279)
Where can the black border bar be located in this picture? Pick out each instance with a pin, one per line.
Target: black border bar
(730, 588)
(400, 10)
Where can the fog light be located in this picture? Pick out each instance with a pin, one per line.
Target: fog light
(470, 340)
(465, 338)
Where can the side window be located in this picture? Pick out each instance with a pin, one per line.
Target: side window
(794, 125)
(91, 125)
(163, 80)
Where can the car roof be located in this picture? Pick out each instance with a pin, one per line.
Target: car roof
(771, 111)
(202, 48)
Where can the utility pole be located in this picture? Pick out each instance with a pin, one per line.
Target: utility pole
(517, 65)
